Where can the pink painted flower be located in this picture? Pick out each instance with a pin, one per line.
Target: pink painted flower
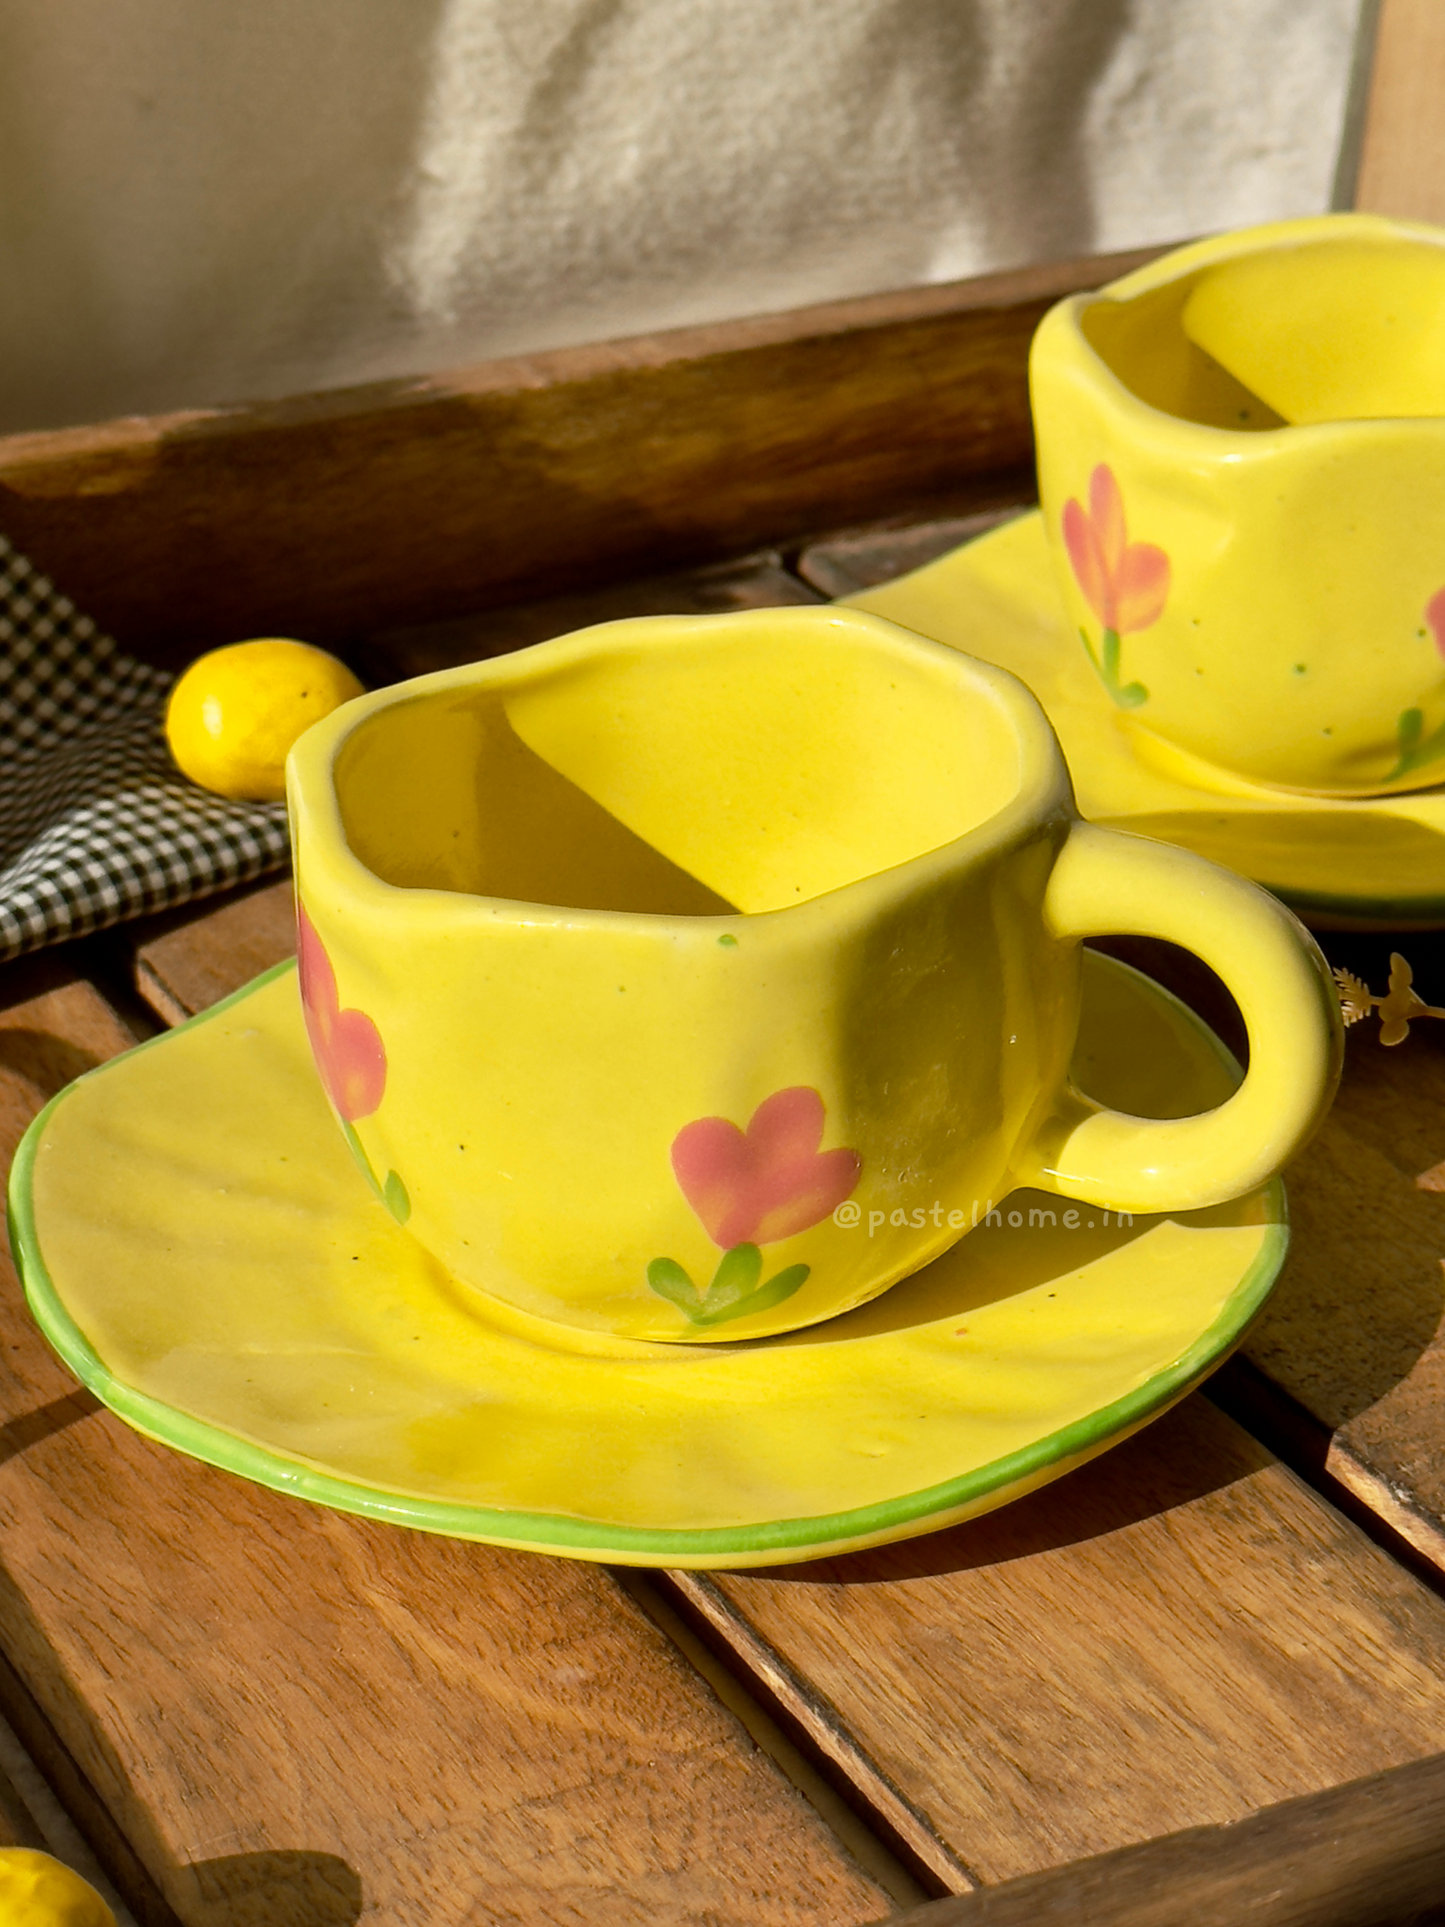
(1435, 616)
(1125, 583)
(345, 1043)
(765, 1183)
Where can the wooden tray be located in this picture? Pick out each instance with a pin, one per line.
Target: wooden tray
(1203, 1677)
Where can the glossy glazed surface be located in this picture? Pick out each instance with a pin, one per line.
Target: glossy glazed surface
(1341, 863)
(1242, 473)
(642, 967)
(200, 1248)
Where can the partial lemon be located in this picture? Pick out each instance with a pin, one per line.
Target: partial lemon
(235, 713)
(36, 1891)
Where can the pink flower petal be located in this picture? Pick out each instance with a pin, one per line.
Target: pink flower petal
(1435, 616)
(809, 1195)
(356, 1065)
(768, 1182)
(1141, 587)
(1106, 506)
(350, 1056)
(1088, 563)
(788, 1126)
(318, 979)
(709, 1161)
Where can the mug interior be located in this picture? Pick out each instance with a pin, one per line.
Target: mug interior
(704, 776)
(1332, 330)
(1142, 341)
(1342, 328)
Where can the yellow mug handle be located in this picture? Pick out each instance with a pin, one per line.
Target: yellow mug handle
(1106, 882)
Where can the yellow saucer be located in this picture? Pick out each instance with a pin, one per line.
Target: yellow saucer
(1372, 863)
(198, 1245)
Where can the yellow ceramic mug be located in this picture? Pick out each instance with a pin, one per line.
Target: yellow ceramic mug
(1242, 472)
(697, 978)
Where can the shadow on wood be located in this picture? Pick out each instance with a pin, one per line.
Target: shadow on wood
(1135, 1481)
(45, 1421)
(1360, 1301)
(259, 1889)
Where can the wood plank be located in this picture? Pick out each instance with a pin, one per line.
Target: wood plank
(856, 559)
(1353, 1336)
(1344, 1372)
(751, 582)
(303, 1720)
(1176, 1635)
(1371, 1854)
(103, 1854)
(335, 515)
(1402, 149)
(53, 1027)
(190, 959)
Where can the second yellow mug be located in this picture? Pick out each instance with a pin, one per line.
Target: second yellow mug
(1242, 474)
(695, 978)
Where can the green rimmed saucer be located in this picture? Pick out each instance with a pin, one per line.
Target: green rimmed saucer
(200, 1248)
(1376, 863)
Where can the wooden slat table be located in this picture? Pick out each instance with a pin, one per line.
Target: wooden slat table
(333, 1720)
(1204, 1675)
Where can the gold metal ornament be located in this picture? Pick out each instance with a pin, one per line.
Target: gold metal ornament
(1397, 1009)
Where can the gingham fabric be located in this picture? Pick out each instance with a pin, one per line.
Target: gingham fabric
(96, 823)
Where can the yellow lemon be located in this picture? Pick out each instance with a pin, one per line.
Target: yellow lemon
(36, 1891)
(235, 713)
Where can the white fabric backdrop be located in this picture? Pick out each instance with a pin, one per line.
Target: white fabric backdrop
(207, 200)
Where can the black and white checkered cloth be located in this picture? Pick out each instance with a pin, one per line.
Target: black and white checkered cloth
(96, 823)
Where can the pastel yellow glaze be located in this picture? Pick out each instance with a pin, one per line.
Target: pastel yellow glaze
(201, 1248)
(1266, 412)
(1346, 328)
(579, 919)
(37, 1890)
(1342, 863)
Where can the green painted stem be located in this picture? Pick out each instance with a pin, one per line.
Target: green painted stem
(1126, 695)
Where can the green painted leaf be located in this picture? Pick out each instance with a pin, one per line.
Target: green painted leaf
(737, 1274)
(396, 1198)
(782, 1286)
(1415, 753)
(357, 1151)
(734, 1291)
(1111, 659)
(668, 1279)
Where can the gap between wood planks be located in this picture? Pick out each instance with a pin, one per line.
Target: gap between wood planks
(32, 1816)
(854, 1820)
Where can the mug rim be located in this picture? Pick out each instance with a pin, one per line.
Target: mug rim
(1061, 333)
(1044, 792)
